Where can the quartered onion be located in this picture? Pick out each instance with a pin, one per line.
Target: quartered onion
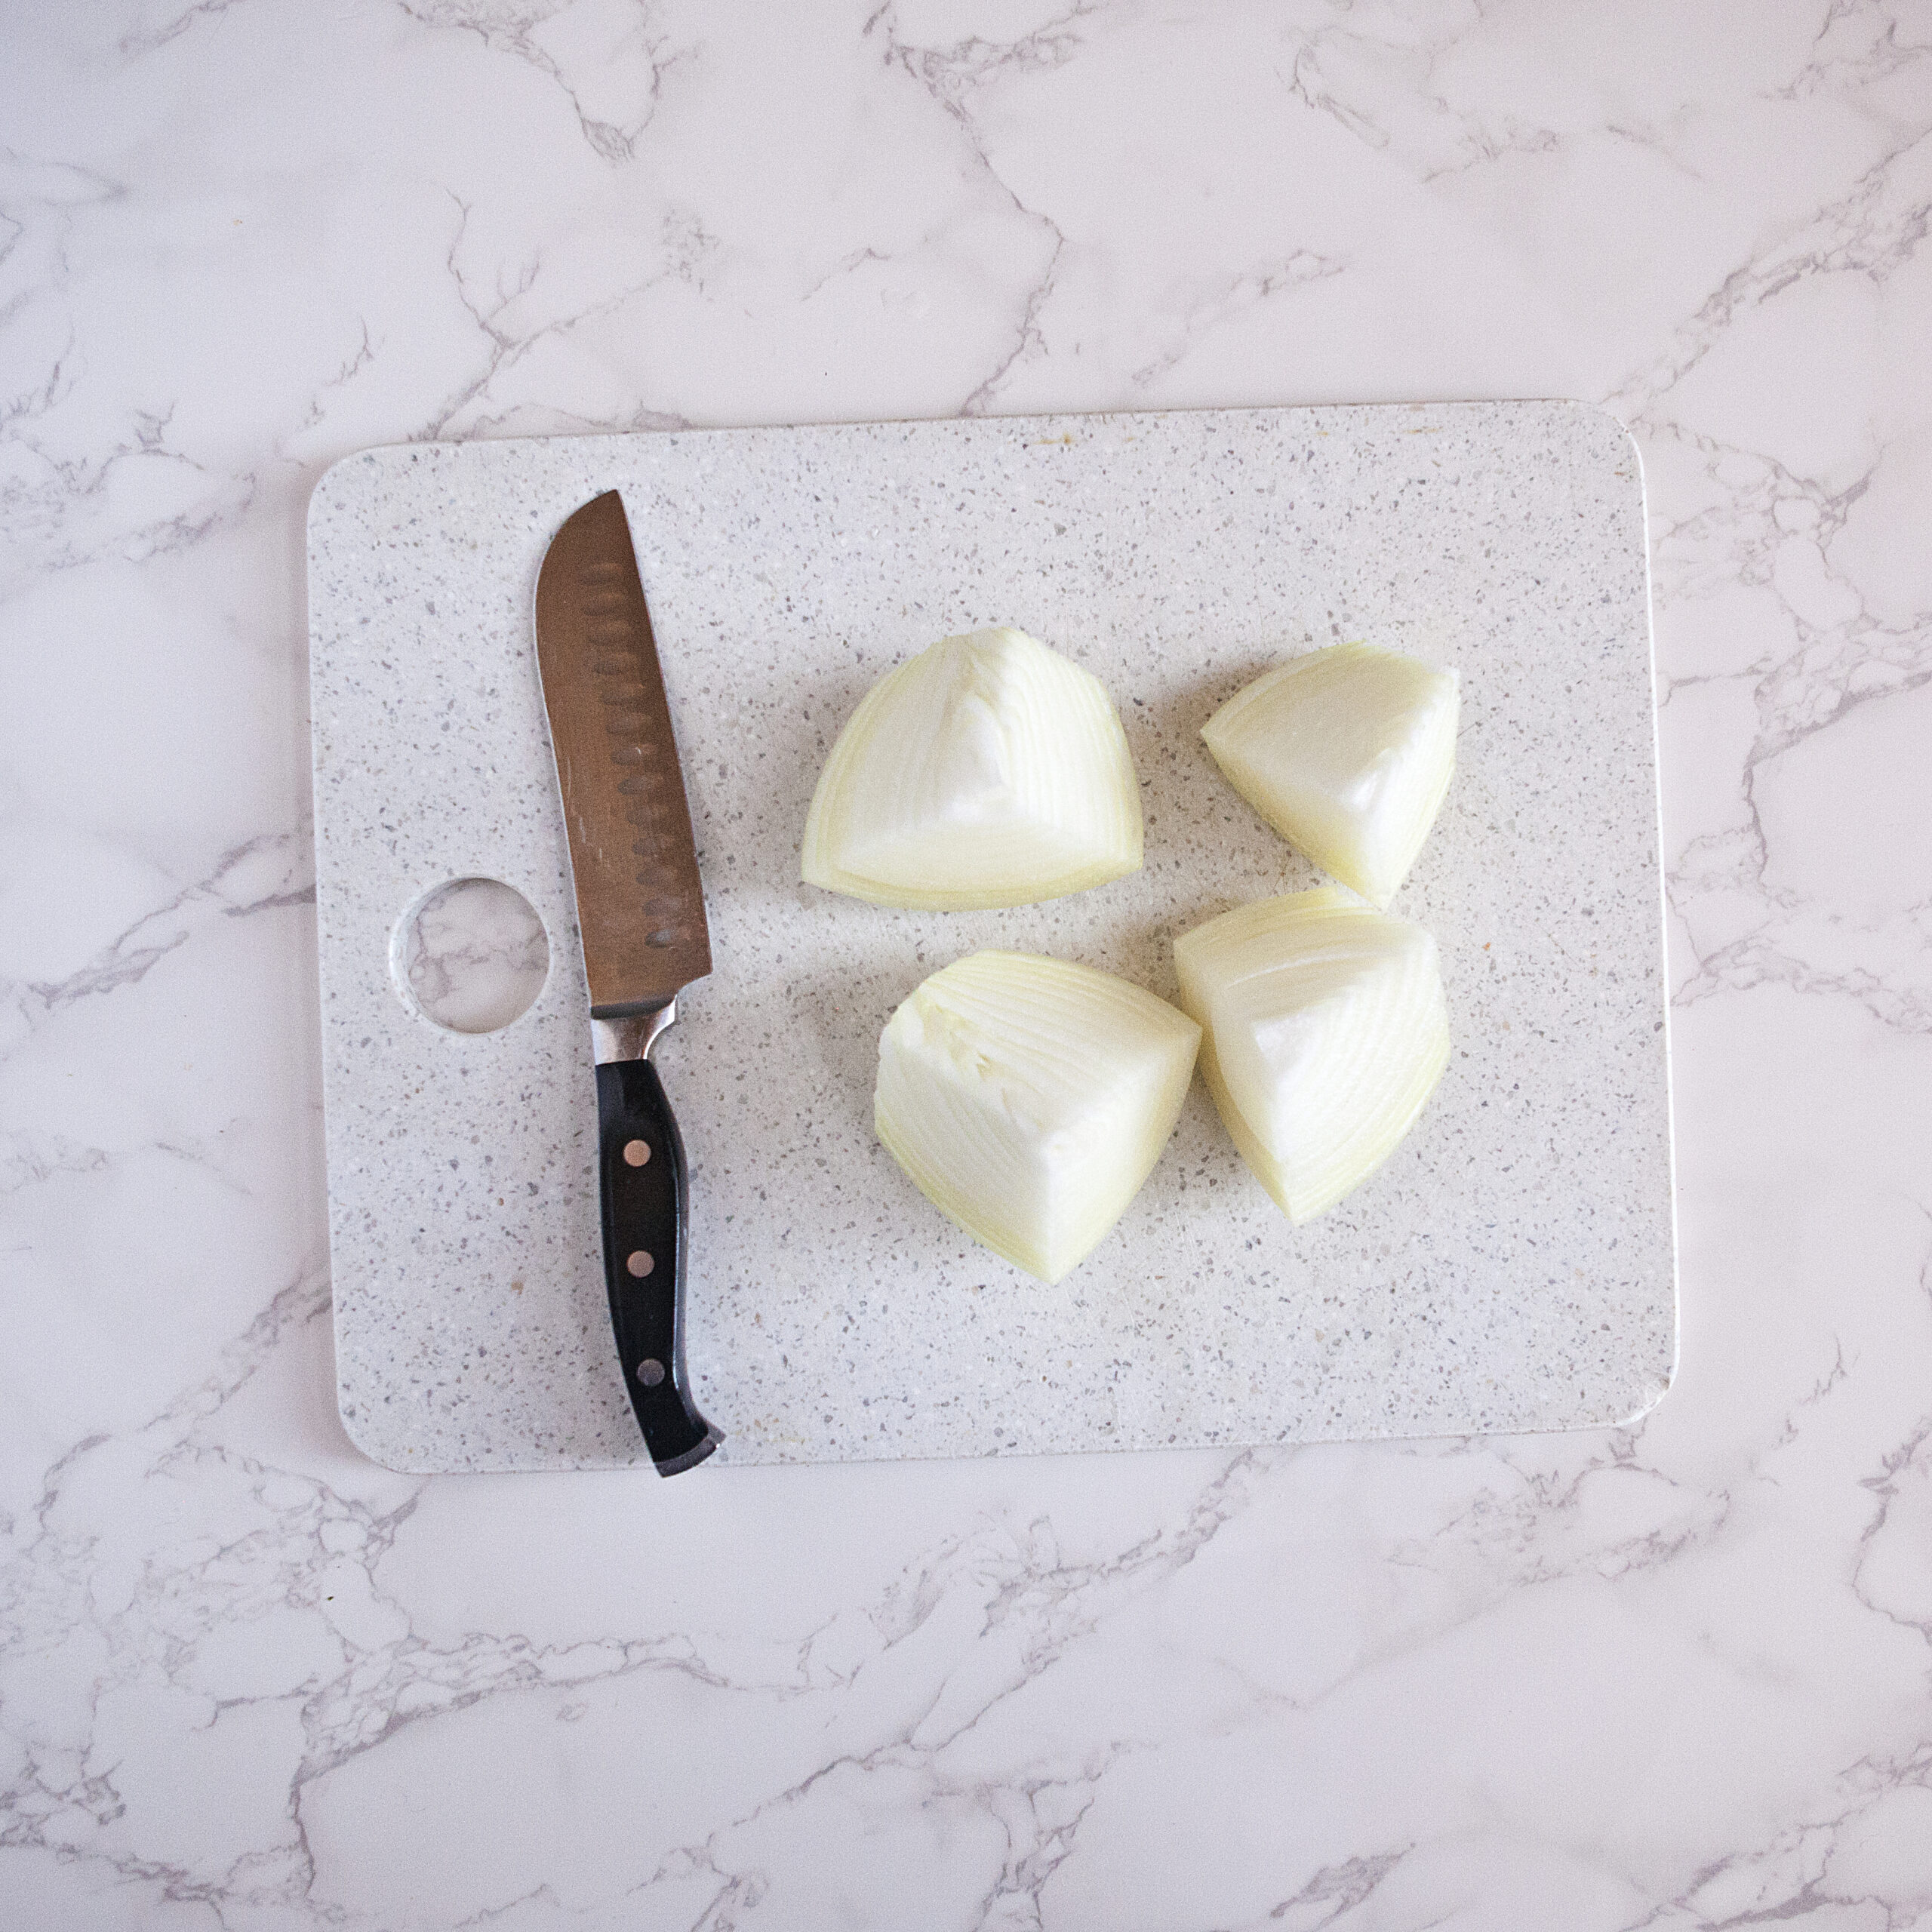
(1347, 753)
(1325, 1032)
(989, 771)
(1028, 1098)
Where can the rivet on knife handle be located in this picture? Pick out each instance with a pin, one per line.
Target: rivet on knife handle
(641, 1162)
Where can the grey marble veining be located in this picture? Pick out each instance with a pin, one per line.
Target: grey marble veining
(472, 957)
(1511, 1266)
(1671, 1678)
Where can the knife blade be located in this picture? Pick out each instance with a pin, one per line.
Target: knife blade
(640, 908)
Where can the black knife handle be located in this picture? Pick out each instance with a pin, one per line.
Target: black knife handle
(640, 1169)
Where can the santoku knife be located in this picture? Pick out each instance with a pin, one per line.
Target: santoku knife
(641, 905)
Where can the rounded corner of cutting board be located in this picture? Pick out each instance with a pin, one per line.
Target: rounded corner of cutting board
(1606, 435)
(378, 1447)
(334, 491)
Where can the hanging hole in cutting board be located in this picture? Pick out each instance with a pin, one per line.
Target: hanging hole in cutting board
(470, 955)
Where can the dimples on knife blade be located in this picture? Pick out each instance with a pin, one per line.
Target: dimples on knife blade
(640, 902)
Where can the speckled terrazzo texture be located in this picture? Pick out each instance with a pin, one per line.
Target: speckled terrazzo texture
(1511, 1267)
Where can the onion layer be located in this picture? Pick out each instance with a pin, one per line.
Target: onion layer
(1028, 1098)
(1326, 1032)
(1347, 753)
(988, 770)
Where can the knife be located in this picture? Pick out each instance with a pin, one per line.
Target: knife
(641, 905)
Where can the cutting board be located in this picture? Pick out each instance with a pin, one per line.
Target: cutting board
(1511, 1268)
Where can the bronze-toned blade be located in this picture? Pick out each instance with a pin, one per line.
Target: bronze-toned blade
(639, 900)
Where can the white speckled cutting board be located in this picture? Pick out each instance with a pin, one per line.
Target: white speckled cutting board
(1511, 1267)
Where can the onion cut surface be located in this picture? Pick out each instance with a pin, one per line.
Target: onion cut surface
(1325, 1032)
(1028, 1098)
(988, 770)
(1347, 753)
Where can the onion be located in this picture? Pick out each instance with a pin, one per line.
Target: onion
(989, 771)
(1029, 1098)
(1326, 1032)
(1346, 752)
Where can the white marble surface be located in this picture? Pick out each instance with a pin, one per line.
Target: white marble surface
(1678, 1676)
(471, 956)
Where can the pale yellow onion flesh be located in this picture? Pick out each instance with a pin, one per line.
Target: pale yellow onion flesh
(988, 770)
(1028, 1098)
(1347, 753)
(1325, 1032)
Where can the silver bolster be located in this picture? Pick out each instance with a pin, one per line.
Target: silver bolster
(632, 1037)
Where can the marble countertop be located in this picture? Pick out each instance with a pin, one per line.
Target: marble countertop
(1677, 1675)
